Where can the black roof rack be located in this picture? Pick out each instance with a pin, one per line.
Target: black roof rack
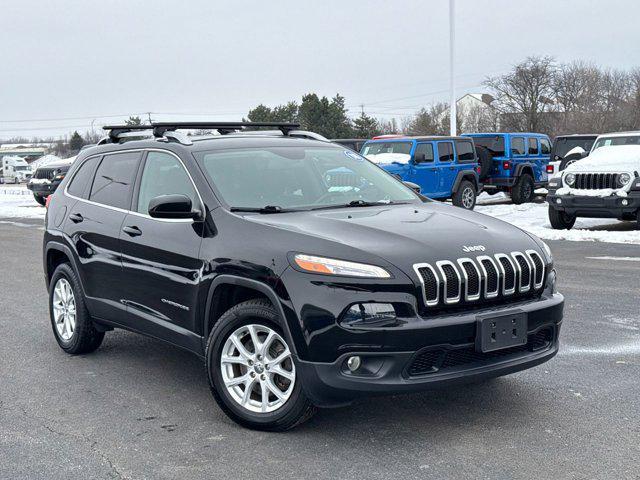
(159, 128)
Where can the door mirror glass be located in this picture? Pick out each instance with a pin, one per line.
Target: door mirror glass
(172, 206)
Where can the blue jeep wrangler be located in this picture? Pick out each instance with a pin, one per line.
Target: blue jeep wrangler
(517, 162)
(443, 167)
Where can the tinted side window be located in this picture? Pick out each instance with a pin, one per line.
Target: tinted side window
(163, 175)
(517, 146)
(445, 151)
(425, 149)
(81, 181)
(533, 146)
(465, 151)
(114, 179)
(545, 147)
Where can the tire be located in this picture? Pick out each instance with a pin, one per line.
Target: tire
(561, 220)
(569, 159)
(465, 195)
(484, 160)
(255, 317)
(524, 190)
(74, 335)
(41, 200)
(638, 221)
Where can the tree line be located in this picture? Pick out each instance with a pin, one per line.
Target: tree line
(538, 94)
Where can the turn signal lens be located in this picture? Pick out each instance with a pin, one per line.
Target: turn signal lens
(330, 266)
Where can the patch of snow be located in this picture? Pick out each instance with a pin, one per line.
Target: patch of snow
(385, 158)
(623, 158)
(533, 217)
(605, 192)
(20, 206)
(44, 160)
(577, 149)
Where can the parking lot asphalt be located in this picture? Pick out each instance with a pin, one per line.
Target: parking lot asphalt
(140, 409)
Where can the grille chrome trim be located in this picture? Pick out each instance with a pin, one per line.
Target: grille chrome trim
(521, 287)
(531, 254)
(506, 291)
(487, 293)
(416, 268)
(467, 297)
(441, 264)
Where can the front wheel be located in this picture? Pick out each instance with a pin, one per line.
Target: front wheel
(41, 200)
(465, 196)
(561, 220)
(252, 372)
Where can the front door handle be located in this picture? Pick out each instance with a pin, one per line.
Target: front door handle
(132, 231)
(451, 168)
(76, 217)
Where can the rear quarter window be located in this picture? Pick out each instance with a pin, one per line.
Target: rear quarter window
(545, 146)
(466, 152)
(81, 181)
(517, 146)
(113, 182)
(533, 146)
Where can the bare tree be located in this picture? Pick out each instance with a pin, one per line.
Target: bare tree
(527, 91)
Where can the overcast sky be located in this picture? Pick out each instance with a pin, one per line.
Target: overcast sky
(77, 61)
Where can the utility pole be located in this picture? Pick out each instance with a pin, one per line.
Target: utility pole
(452, 50)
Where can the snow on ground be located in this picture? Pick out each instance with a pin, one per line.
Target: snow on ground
(18, 202)
(533, 217)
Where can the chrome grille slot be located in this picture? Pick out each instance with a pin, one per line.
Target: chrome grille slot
(524, 271)
(491, 275)
(430, 283)
(451, 279)
(538, 268)
(472, 282)
(508, 271)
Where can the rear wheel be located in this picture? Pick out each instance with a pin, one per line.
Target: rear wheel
(39, 199)
(561, 220)
(465, 196)
(251, 370)
(72, 325)
(524, 189)
(484, 160)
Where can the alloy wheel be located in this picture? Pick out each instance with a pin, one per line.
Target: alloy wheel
(257, 368)
(64, 309)
(467, 198)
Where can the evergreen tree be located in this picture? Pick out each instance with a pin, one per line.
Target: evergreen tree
(133, 121)
(366, 127)
(76, 142)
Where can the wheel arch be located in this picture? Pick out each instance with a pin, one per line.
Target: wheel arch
(523, 168)
(55, 254)
(243, 289)
(470, 175)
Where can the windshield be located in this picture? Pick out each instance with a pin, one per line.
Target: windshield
(299, 178)
(564, 145)
(615, 141)
(376, 148)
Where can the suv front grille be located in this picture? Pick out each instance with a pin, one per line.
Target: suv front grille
(483, 278)
(441, 359)
(596, 181)
(47, 173)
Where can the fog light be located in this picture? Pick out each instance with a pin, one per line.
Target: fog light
(558, 201)
(625, 202)
(353, 363)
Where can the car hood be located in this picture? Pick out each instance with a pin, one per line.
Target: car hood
(404, 234)
(622, 158)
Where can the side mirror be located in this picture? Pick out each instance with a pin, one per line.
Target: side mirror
(172, 206)
(413, 186)
(419, 158)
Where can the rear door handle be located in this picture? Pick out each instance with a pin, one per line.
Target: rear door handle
(132, 231)
(76, 217)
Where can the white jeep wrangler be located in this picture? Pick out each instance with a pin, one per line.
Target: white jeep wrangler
(606, 184)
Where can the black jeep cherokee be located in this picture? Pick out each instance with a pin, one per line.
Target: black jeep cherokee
(296, 290)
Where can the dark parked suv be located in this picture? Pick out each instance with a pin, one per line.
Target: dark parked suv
(297, 292)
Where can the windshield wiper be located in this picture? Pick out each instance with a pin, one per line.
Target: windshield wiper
(265, 209)
(362, 203)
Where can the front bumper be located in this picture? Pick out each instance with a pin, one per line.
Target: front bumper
(596, 207)
(392, 372)
(43, 189)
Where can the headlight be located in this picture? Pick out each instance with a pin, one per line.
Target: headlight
(547, 251)
(570, 179)
(60, 176)
(331, 266)
(624, 179)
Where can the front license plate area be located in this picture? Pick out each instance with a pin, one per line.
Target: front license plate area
(503, 331)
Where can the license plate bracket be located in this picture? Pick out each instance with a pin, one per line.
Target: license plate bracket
(497, 332)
